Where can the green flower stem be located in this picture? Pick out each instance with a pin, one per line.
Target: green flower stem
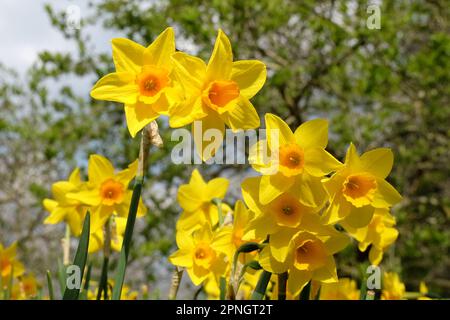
(282, 280)
(261, 286)
(103, 286)
(150, 136)
(66, 246)
(304, 295)
(51, 293)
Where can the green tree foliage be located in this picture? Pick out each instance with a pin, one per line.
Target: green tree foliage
(386, 87)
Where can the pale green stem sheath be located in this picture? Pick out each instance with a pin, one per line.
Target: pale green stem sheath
(150, 136)
(66, 247)
(175, 285)
(261, 286)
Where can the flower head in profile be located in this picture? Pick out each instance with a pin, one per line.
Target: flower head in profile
(202, 253)
(297, 161)
(393, 287)
(217, 94)
(306, 256)
(9, 265)
(107, 191)
(344, 289)
(196, 200)
(142, 80)
(359, 187)
(283, 212)
(63, 209)
(379, 233)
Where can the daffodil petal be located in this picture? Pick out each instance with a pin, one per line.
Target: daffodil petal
(212, 122)
(242, 116)
(297, 280)
(319, 162)
(159, 52)
(181, 258)
(250, 76)
(128, 55)
(276, 126)
(386, 195)
(118, 87)
(99, 168)
(190, 71)
(359, 217)
(312, 133)
(272, 186)
(269, 264)
(279, 244)
(378, 162)
(217, 188)
(220, 64)
(138, 115)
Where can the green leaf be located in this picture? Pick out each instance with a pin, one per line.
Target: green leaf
(80, 258)
(120, 275)
(51, 293)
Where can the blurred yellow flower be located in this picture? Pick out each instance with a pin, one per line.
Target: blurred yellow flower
(202, 253)
(107, 191)
(142, 81)
(217, 93)
(344, 289)
(301, 161)
(195, 198)
(306, 256)
(285, 211)
(379, 233)
(360, 186)
(25, 289)
(9, 265)
(63, 209)
(392, 287)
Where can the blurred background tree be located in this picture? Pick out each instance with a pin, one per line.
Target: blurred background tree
(382, 87)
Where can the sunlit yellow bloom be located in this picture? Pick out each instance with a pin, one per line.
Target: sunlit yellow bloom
(217, 93)
(63, 209)
(393, 288)
(344, 289)
(301, 162)
(96, 240)
(202, 254)
(195, 198)
(359, 187)
(379, 233)
(107, 191)
(142, 81)
(26, 288)
(9, 263)
(423, 289)
(285, 211)
(306, 256)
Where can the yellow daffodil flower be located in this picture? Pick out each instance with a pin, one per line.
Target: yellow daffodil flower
(25, 289)
(202, 254)
(359, 187)
(62, 208)
(142, 81)
(285, 211)
(107, 191)
(195, 198)
(9, 264)
(393, 288)
(217, 93)
(344, 289)
(301, 162)
(306, 256)
(379, 233)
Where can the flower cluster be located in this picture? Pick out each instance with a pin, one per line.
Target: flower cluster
(292, 214)
(158, 80)
(15, 283)
(105, 195)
